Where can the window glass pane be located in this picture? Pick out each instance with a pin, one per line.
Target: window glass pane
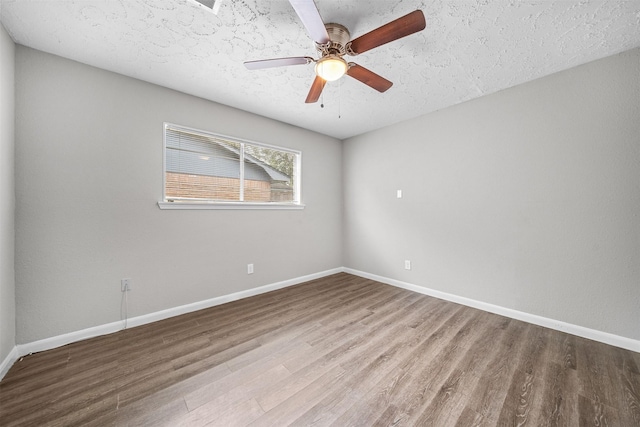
(206, 167)
(268, 174)
(200, 167)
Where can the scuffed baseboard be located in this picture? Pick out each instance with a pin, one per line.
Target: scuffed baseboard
(8, 361)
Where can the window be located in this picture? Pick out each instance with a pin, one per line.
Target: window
(205, 170)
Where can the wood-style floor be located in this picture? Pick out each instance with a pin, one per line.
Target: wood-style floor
(340, 350)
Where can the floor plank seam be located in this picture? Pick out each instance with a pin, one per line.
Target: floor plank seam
(339, 350)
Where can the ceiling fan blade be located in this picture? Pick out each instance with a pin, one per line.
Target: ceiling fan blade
(316, 90)
(394, 30)
(311, 19)
(277, 62)
(368, 77)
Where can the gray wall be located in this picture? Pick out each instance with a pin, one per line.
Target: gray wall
(7, 196)
(89, 175)
(528, 198)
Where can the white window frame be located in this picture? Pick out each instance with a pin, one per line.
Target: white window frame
(168, 203)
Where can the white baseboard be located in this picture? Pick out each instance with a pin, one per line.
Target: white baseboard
(8, 362)
(60, 340)
(592, 334)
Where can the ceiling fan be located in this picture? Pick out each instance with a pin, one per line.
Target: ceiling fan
(333, 43)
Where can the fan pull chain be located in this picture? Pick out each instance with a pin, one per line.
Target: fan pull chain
(340, 99)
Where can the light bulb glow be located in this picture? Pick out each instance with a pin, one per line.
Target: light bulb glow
(331, 67)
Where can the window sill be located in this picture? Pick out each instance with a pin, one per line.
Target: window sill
(229, 205)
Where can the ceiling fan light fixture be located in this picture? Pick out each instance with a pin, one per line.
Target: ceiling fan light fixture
(331, 67)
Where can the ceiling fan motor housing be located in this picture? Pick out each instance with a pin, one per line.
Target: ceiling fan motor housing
(338, 38)
(333, 41)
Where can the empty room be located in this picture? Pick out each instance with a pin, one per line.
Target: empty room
(319, 212)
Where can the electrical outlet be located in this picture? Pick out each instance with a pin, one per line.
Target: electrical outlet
(249, 268)
(126, 284)
(407, 264)
(399, 194)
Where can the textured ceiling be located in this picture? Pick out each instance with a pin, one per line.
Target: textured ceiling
(469, 49)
